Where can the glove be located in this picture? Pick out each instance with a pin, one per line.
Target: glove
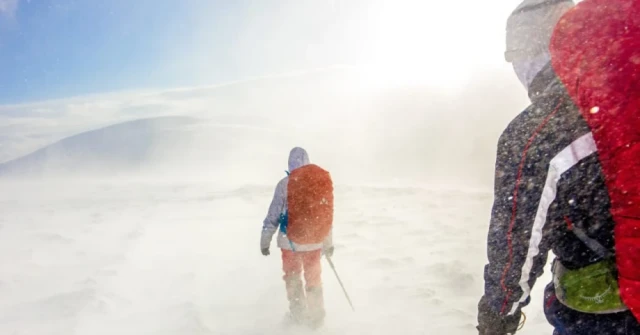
(492, 323)
(265, 252)
(328, 251)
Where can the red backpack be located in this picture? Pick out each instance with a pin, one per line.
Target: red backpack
(310, 205)
(595, 51)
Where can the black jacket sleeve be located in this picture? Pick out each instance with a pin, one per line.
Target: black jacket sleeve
(517, 248)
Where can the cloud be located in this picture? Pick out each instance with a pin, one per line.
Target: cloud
(8, 7)
(348, 123)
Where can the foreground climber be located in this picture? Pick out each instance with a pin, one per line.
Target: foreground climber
(568, 172)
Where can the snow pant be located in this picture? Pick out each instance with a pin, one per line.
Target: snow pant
(305, 301)
(567, 321)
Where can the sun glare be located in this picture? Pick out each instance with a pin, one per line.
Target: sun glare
(425, 43)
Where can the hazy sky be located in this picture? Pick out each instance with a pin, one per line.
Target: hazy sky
(62, 48)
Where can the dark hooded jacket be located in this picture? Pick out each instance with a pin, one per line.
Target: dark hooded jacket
(548, 179)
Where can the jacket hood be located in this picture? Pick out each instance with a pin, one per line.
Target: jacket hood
(527, 69)
(530, 26)
(298, 157)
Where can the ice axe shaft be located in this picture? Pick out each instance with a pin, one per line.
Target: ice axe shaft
(340, 281)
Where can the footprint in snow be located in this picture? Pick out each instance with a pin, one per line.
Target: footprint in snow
(425, 293)
(409, 259)
(87, 282)
(384, 261)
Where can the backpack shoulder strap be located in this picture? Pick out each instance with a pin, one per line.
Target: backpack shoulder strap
(591, 243)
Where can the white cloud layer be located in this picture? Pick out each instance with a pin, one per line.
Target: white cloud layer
(352, 126)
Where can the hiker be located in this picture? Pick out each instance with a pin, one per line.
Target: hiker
(302, 210)
(566, 176)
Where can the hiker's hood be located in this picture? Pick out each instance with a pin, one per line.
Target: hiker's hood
(298, 157)
(528, 69)
(529, 29)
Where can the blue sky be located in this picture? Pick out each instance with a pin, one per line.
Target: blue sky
(62, 48)
(58, 48)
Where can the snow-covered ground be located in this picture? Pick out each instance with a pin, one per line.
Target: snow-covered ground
(170, 254)
(164, 257)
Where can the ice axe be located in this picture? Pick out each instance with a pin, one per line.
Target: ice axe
(339, 281)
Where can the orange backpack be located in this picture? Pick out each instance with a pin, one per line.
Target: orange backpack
(310, 205)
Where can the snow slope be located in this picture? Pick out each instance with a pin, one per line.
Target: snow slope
(168, 257)
(115, 148)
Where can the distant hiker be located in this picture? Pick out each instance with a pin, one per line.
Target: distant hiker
(567, 175)
(302, 209)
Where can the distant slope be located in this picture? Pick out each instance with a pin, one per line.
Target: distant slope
(127, 145)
